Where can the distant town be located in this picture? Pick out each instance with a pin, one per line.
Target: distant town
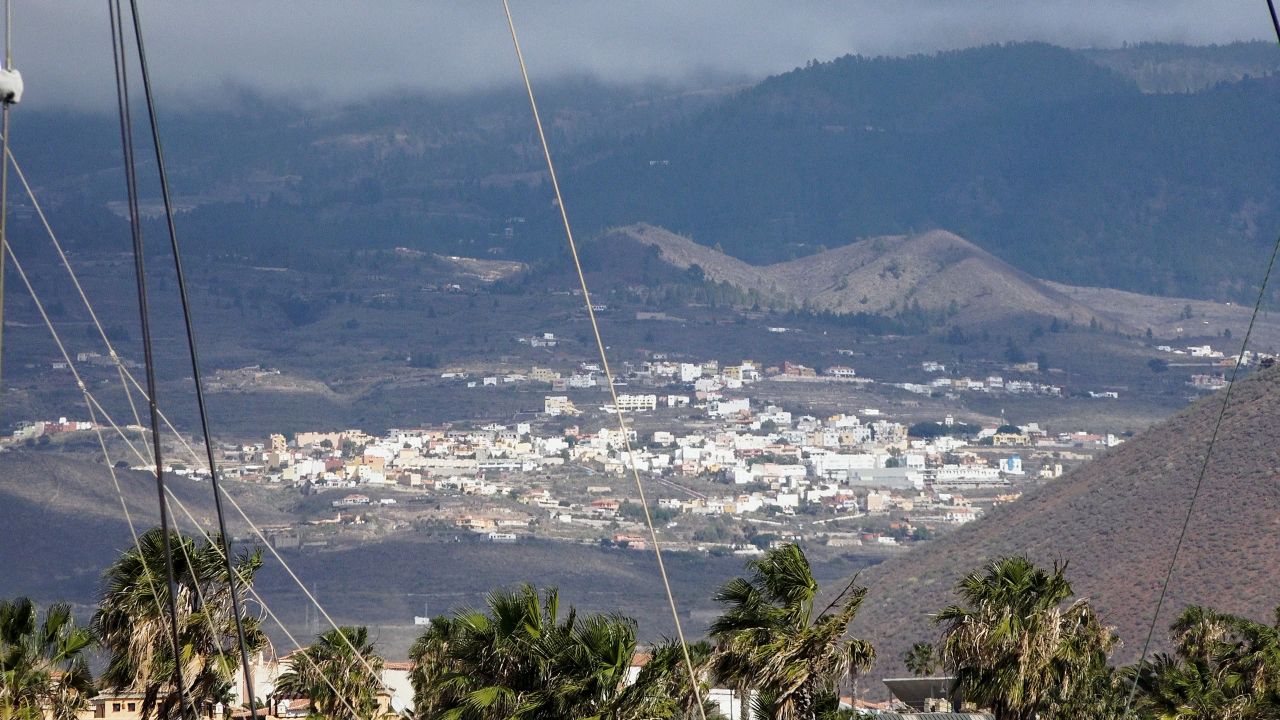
(724, 471)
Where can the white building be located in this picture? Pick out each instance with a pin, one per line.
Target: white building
(637, 403)
(724, 408)
(558, 405)
(690, 372)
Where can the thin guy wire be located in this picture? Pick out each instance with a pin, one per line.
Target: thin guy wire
(91, 402)
(144, 320)
(138, 386)
(173, 497)
(132, 379)
(119, 61)
(223, 537)
(4, 174)
(133, 532)
(84, 298)
(115, 482)
(267, 609)
(1204, 468)
(1186, 522)
(142, 392)
(75, 281)
(604, 362)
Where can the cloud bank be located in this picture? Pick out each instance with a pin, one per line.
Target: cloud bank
(335, 51)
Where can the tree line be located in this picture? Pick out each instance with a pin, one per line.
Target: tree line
(1016, 643)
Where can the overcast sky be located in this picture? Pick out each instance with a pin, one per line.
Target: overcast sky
(339, 49)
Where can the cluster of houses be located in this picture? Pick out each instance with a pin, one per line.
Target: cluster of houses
(1206, 352)
(706, 378)
(768, 461)
(33, 429)
(991, 384)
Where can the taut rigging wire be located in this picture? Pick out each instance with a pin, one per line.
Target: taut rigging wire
(119, 62)
(128, 380)
(604, 363)
(144, 317)
(4, 173)
(1213, 439)
(224, 537)
(92, 402)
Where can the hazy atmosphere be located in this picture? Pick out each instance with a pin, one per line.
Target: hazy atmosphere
(904, 360)
(335, 50)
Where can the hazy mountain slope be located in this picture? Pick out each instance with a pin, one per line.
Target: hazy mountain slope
(1167, 316)
(937, 270)
(934, 269)
(683, 253)
(1058, 166)
(1115, 520)
(61, 522)
(1167, 68)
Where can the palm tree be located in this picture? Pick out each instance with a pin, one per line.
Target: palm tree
(662, 688)
(340, 674)
(42, 663)
(478, 664)
(769, 641)
(133, 625)
(521, 658)
(1015, 648)
(1225, 667)
(921, 659)
(1170, 689)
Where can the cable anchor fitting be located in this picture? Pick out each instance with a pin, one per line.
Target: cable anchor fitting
(10, 87)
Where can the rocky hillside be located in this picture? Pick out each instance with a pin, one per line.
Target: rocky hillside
(1115, 521)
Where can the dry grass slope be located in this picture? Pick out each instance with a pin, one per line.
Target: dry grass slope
(1115, 521)
(942, 271)
(936, 269)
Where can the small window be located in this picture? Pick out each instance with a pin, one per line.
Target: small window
(133, 706)
(115, 707)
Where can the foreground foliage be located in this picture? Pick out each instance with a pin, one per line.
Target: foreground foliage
(1224, 667)
(520, 657)
(1017, 643)
(769, 640)
(133, 627)
(42, 662)
(340, 673)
